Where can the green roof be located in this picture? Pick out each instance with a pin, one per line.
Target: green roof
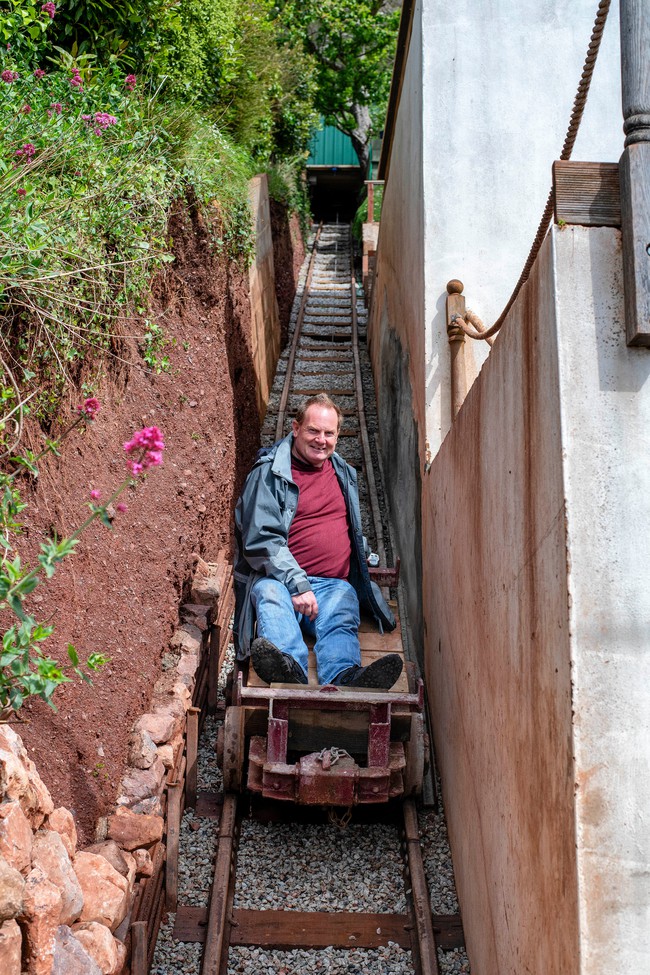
(330, 147)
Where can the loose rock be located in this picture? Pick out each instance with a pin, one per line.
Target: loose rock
(105, 890)
(70, 956)
(12, 891)
(15, 836)
(132, 830)
(11, 942)
(50, 855)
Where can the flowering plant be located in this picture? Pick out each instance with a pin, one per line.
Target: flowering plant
(25, 671)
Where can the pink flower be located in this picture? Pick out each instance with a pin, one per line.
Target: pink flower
(103, 120)
(28, 151)
(130, 81)
(9, 76)
(56, 107)
(120, 506)
(95, 494)
(39, 73)
(91, 407)
(148, 444)
(26, 109)
(21, 191)
(49, 8)
(75, 80)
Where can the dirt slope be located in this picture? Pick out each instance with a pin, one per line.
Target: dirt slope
(119, 594)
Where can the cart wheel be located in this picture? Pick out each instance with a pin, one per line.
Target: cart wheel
(233, 750)
(416, 757)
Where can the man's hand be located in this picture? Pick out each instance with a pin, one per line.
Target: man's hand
(305, 603)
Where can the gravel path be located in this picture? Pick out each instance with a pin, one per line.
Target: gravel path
(309, 867)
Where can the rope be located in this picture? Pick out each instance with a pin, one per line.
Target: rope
(479, 331)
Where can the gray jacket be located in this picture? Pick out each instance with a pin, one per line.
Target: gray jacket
(263, 515)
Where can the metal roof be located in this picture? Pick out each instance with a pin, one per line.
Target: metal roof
(330, 147)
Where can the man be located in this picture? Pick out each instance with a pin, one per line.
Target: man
(300, 563)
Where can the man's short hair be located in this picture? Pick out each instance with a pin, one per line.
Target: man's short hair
(320, 399)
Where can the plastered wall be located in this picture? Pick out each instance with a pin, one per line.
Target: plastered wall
(536, 642)
(264, 307)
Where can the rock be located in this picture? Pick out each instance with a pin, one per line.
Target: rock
(160, 726)
(15, 836)
(105, 890)
(132, 830)
(166, 755)
(187, 666)
(150, 807)
(20, 780)
(62, 821)
(140, 784)
(187, 638)
(71, 957)
(108, 953)
(111, 852)
(51, 856)
(142, 749)
(11, 944)
(12, 891)
(199, 616)
(205, 590)
(143, 863)
(40, 917)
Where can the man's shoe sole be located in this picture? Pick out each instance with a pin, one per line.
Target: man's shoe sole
(272, 665)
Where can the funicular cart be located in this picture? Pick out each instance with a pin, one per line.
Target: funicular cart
(327, 745)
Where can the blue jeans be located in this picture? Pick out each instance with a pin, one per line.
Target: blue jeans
(334, 629)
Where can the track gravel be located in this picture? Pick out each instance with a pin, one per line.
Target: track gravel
(309, 867)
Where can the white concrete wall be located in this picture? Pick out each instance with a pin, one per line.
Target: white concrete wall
(537, 650)
(605, 417)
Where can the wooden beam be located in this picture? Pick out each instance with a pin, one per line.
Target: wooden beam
(635, 168)
(587, 193)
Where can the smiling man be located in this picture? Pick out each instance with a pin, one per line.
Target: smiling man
(300, 565)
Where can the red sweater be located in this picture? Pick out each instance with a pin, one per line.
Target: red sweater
(319, 537)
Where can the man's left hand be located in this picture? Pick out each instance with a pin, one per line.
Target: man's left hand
(305, 603)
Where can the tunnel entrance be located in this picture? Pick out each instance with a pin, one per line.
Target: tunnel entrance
(334, 176)
(335, 192)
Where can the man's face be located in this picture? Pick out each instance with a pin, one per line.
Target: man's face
(315, 438)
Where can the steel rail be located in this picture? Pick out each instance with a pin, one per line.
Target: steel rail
(363, 429)
(284, 399)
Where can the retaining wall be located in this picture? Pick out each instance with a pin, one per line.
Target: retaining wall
(264, 306)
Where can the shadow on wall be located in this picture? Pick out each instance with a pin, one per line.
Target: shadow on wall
(399, 446)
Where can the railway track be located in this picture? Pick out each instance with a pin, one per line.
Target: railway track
(296, 890)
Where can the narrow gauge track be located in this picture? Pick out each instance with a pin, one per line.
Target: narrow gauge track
(323, 356)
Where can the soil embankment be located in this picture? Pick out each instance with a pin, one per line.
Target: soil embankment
(119, 594)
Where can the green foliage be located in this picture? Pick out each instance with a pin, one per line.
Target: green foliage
(361, 216)
(353, 45)
(87, 179)
(153, 345)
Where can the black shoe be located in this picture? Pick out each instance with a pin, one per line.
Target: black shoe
(380, 674)
(273, 666)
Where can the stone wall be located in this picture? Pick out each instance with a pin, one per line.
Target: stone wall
(65, 910)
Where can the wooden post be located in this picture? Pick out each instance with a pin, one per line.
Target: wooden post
(139, 948)
(635, 168)
(192, 749)
(174, 790)
(456, 336)
(371, 202)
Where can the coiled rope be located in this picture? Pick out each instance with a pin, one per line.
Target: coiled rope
(471, 325)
